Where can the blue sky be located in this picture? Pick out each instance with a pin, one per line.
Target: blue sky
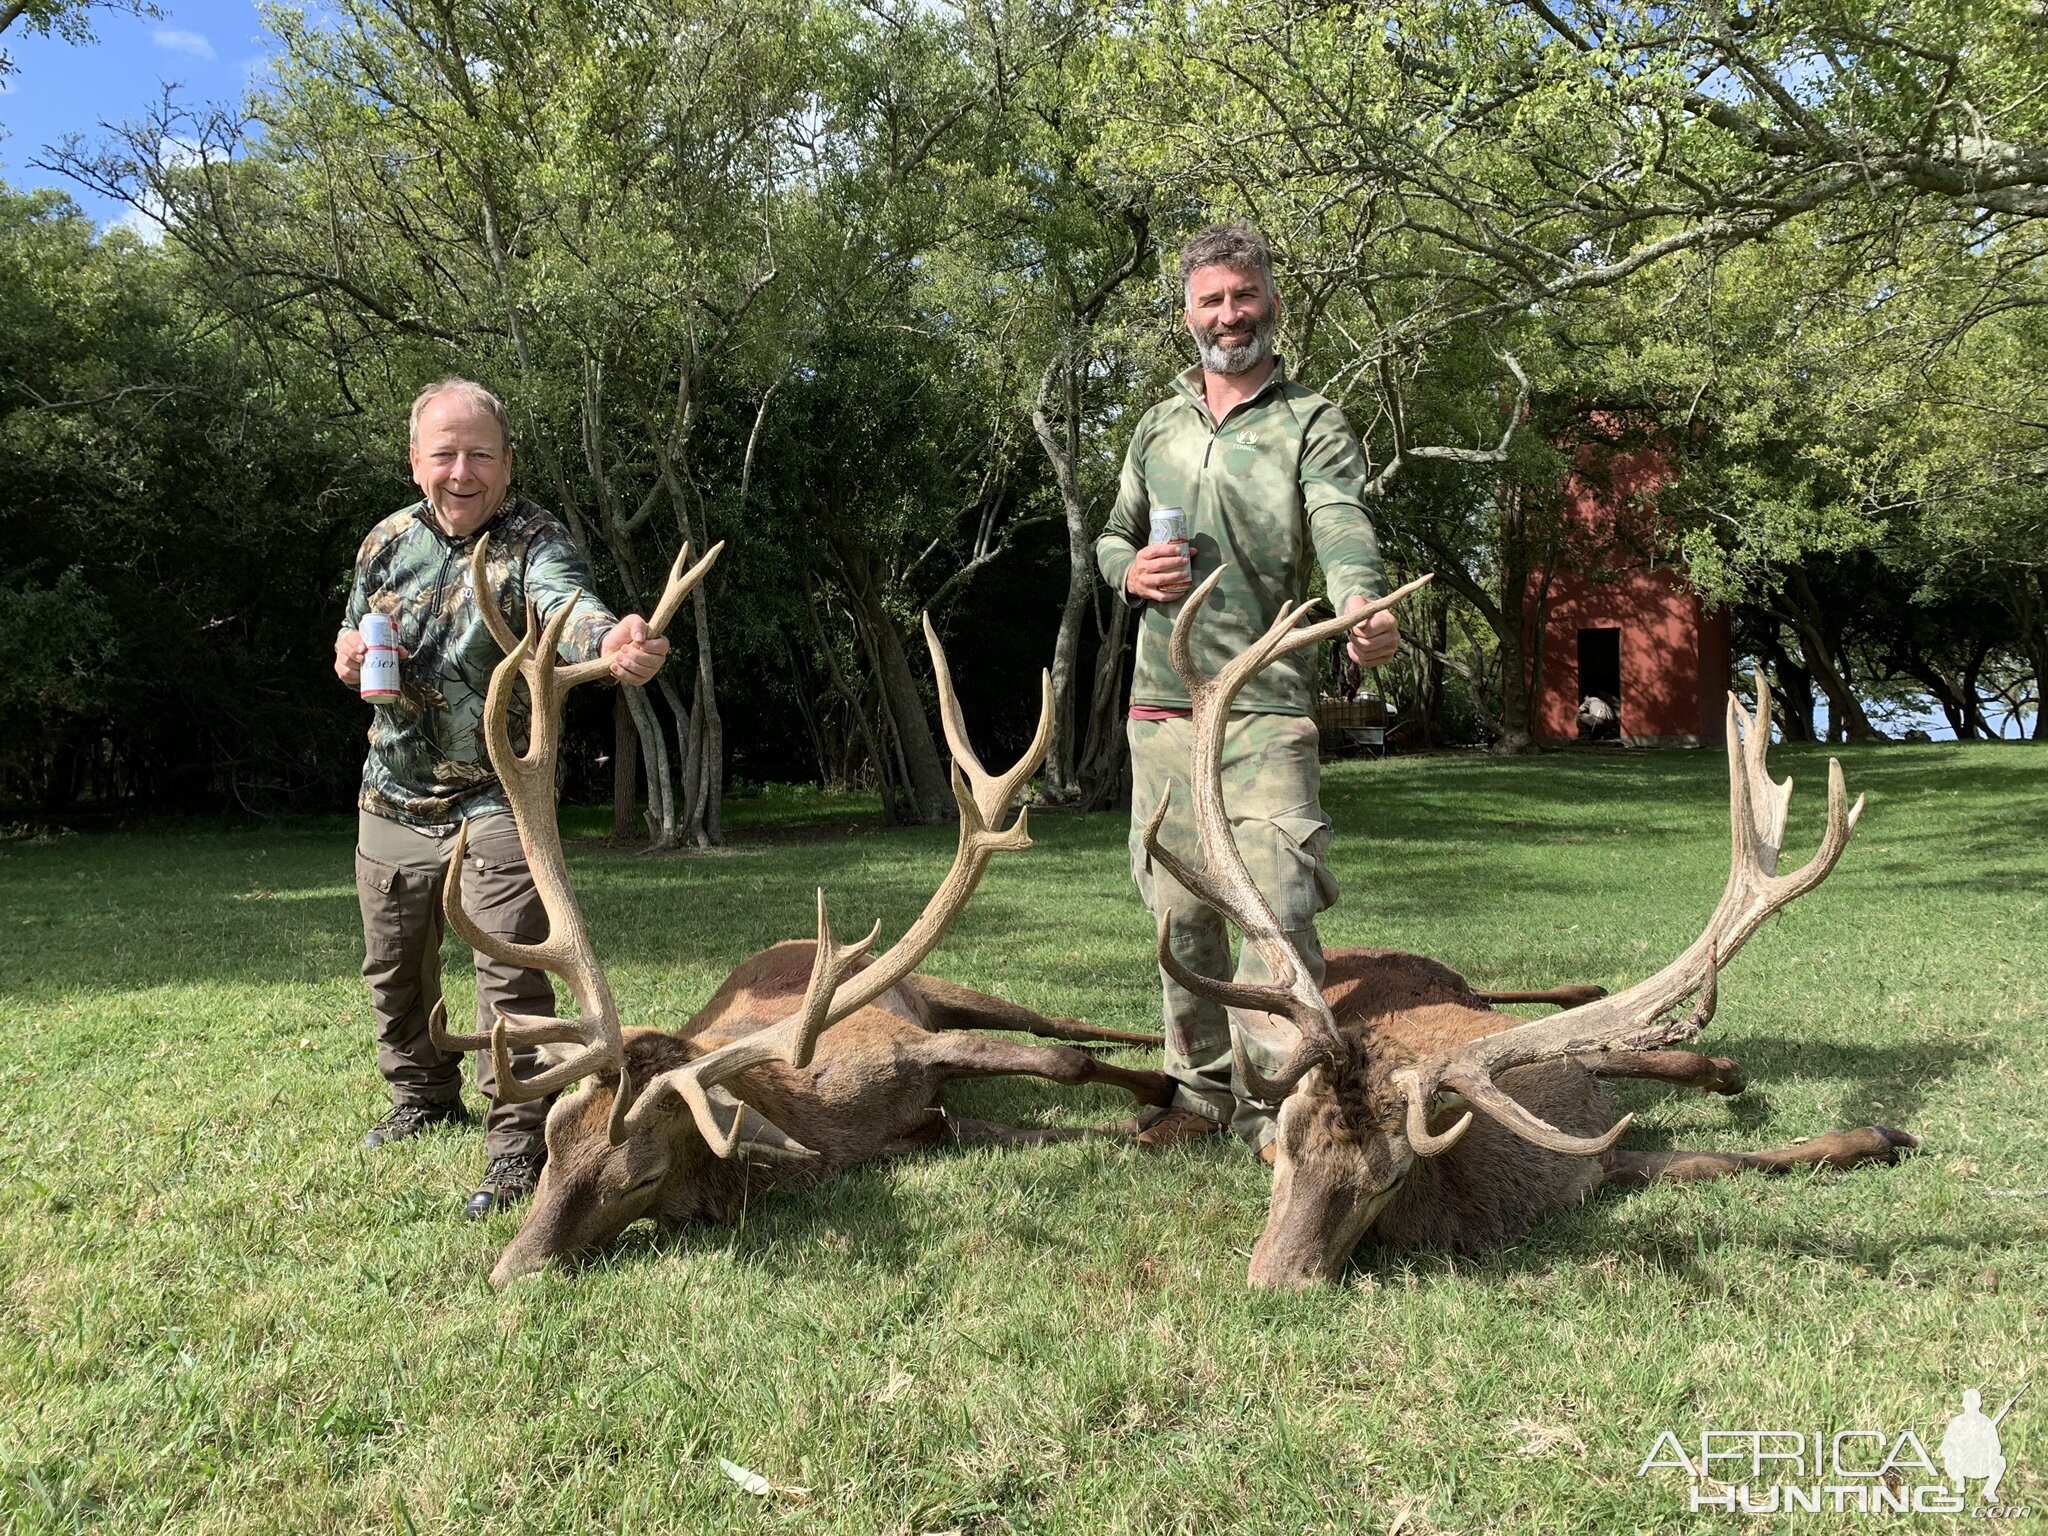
(208, 48)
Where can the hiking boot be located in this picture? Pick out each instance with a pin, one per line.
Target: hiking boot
(510, 1178)
(1157, 1128)
(1269, 1154)
(410, 1119)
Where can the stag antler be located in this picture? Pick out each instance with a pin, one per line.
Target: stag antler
(1644, 1016)
(529, 781)
(835, 991)
(1224, 883)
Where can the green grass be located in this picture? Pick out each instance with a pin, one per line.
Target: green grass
(217, 1314)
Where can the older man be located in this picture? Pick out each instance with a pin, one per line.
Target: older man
(1267, 471)
(427, 771)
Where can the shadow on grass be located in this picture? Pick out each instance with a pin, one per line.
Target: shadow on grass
(1680, 1250)
(859, 1207)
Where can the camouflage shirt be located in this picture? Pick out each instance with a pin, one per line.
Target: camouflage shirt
(1281, 472)
(428, 766)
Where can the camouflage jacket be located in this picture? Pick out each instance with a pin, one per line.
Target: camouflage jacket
(1281, 473)
(427, 765)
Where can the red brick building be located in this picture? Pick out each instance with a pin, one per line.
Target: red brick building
(1620, 624)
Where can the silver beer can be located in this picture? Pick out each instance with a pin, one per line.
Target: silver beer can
(1170, 525)
(380, 666)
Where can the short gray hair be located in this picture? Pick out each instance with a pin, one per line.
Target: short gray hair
(1239, 247)
(470, 393)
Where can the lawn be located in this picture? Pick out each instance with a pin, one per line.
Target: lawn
(218, 1314)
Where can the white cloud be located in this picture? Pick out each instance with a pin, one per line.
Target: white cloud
(141, 223)
(178, 41)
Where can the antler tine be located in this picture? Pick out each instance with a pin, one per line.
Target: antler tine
(682, 581)
(1421, 1140)
(834, 963)
(837, 989)
(991, 793)
(1645, 1017)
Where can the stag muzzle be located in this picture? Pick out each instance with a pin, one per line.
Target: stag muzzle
(1317, 1217)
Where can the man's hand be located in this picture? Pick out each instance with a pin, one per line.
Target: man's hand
(634, 654)
(1375, 642)
(349, 651)
(1160, 573)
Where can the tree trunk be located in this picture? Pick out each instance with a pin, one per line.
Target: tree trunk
(661, 805)
(800, 690)
(1105, 756)
(625, 769)
(704, 755)
(890, 812)
(1846, 720)
(1061, 784)
(1794, 688)
(931, 797)
(2032, 612)
(1429, 668)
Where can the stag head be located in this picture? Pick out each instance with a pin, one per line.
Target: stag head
(1354, 1118)
(655, 1131)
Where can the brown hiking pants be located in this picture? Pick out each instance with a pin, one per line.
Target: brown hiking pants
(399, 871)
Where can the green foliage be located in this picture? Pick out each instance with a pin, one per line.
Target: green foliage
(169, 560)
(59, 642)
(874, 291)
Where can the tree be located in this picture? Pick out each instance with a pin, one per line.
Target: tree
(166, 533)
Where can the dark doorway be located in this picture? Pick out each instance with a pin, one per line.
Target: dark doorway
(1599, 684)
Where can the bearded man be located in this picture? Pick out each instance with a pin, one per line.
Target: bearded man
(428, 773)
(1266, 470)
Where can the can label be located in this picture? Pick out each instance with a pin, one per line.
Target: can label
(380, 666)
(1170, 525)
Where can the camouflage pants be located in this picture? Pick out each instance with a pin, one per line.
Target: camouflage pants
(1272, 788)
(399, 872)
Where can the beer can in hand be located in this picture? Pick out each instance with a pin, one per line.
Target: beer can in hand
(1170, 525)
(380, 666)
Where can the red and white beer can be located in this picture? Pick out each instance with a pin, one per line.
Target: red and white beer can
(380, 666)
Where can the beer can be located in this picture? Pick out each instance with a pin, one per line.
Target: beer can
(380, 666)
(1170, 524)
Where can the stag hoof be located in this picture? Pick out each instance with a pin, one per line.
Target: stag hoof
(510, 1179)
(1723, 1076)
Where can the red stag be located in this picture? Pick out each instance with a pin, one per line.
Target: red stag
(810, 1055)
(1411, 1109)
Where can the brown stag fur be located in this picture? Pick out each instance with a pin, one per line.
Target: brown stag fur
(872, 1089)
(1351, 1174)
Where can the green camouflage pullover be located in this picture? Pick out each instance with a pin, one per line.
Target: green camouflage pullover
(1281, 472)
(428, 766)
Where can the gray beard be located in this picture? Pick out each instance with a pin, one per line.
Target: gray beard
(1218, 357)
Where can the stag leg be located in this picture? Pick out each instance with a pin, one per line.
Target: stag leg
(1688, 1069)
(952, 1006)
(1837, 1149)
(965, 1055)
